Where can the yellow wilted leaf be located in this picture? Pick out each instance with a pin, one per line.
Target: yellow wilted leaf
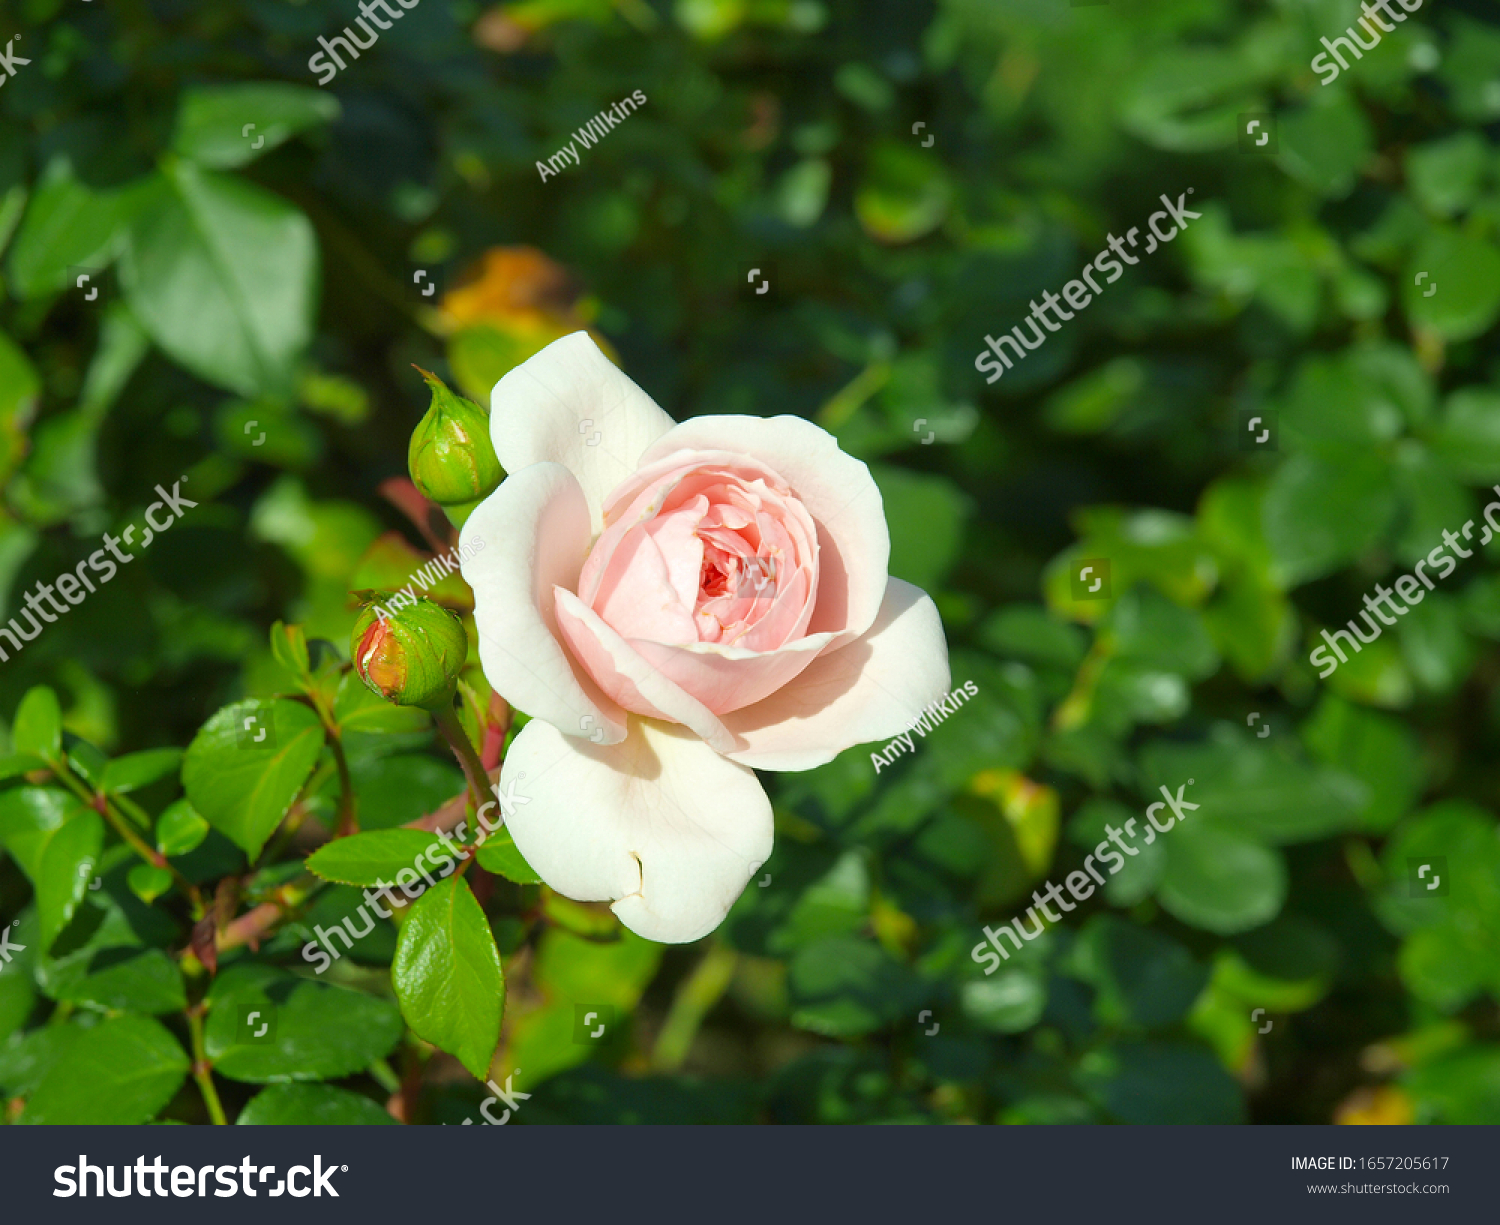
(1385, 1105)
(1030, 808)
(513, 304)
(515, 289)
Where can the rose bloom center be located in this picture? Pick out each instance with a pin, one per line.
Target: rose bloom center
(708, 552)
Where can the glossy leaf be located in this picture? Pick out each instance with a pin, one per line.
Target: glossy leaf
(247, 764)
(447, 975)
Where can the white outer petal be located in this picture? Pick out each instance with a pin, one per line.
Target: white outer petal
(660, 824)
(535, 530)
(869, 690)
(571, 405)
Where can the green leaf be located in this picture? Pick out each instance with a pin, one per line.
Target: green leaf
(67, 225)
(67, 866)
(149, 882)
(224, 277)
(19, 763)
(1434, 501)
(498, 854)
(1325, 145)
(1460, 1087)
(1186, 98)
(289, 646)
(598, 972)
(1140, 874)
(1007, 1003)
(1452, 949)
(1026, 632)
(1321, 514)
(1148, 630)
(927, 516)
(247, 764)
(122, 1070)
(229, 125)
(17, 985)
(320, 1105)
(1157, 1083)
(30, 817)
(1144, 978)
(1436, 650)
(400, 788)
(1445, 174)
(1464, 274)
(1468, 438)
(86, 760)
(38, 725)
(180, 829)
(358, 712)
(447, 975)
(1381, 752)
(112, 955)
(375, 857)
(1257, 787)
(844, 987)
(904, 193)
(1220, 881)
(337, 907)
(315, 1031)
(19, 386)
(136, 770)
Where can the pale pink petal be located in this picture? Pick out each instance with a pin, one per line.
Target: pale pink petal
(535, 530)
(868, 690)
(656, 571)
(628, 679)
(571, 405)
(838, 491)
(727, 678)
(660, 824)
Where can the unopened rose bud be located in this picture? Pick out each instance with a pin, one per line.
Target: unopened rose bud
(451, 457)
(412, 655)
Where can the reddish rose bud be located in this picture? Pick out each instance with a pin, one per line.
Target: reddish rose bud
(412, 655)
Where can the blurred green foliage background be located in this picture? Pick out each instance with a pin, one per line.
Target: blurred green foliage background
(259, 306)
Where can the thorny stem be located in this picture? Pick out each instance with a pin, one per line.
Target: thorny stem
(202, 1069)
(133, 810)
(100, 803)
(295, 816)
(473, 768)
(447, 815)
(348, 819)
(348, 822)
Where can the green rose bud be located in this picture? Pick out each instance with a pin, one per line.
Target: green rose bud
(412, 654)
(451, 457)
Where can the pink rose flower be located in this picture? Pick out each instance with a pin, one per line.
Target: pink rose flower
(675, 607)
